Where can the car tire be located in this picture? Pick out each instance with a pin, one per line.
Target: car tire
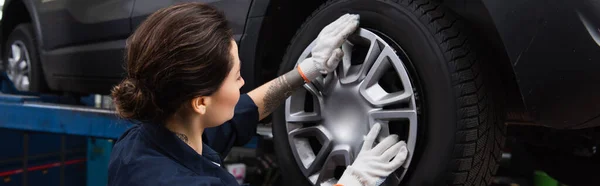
(461, 131)
(23, 35)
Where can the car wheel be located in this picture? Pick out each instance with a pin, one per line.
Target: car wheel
(411, 67)
(21, 62)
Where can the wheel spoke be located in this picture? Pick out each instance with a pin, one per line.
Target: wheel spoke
(313, 178)
(384, 117)
(375, 50)
(323, 83)
(25, 83)
(394, 114)
(303, 117)
(14, 60)
(346, 63)
(16, 52)
(20, 68)
(372, 90)
(21, 83)
(296, 111)
(378, 97)
(314, 88)
(340, 156)
(318, 89)
(309, 160)
(13, 64)
(351, 73)
(322, 155)
(22, 65)
(17, 81)
(320, 83)
(20, 73)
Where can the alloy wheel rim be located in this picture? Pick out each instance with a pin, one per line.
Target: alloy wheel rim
(19, 63)
(326, 121)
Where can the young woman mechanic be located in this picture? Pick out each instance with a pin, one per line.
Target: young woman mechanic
(182, 86)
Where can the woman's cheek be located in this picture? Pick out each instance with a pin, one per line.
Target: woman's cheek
(234, 97)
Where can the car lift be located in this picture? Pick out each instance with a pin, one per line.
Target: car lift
(67, 116)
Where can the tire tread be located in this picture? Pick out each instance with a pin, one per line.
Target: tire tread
(480, 137)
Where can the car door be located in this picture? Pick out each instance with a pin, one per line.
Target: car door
(236, 11)
(83, 42)
(66, 23)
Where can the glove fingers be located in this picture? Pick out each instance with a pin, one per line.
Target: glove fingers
(334, 26)
(350, 26)
(370, 138)
(399, 159)
(334, 59)
(385, 144)
(341, 25)
(344, 30)
(392, 151)
(339, 21)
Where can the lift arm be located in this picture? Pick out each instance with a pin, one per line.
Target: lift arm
(33, 113)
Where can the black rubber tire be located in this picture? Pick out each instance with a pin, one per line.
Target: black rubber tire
(461, 131)
(24, 32)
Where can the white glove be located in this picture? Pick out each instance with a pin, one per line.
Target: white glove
(327, 52)
(372, 166)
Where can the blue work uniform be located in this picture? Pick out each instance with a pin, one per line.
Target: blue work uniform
(150, 154)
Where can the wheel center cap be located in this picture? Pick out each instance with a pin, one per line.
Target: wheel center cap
(346, 113)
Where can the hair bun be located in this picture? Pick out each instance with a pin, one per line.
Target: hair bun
(132, 101)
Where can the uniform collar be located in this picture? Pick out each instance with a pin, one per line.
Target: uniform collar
(172, 146)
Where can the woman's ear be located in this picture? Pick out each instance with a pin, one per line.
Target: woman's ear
(200, 104)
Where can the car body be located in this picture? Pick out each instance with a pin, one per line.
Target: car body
(547, 51)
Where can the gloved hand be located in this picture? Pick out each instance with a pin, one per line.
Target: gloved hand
(327, 52)
(372, 166)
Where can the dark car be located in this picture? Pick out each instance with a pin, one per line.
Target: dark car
(448, 76)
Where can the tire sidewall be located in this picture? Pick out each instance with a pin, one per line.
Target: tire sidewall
(24, 32)
(437, 119)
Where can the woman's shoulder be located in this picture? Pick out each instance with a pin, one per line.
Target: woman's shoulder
(134, 143)
(134, 161)
(162, 176)
(129, 138)
(147, 167)
(133, 148)
(137, 159)
(151, 169)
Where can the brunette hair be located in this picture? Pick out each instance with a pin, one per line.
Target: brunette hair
(177, 53)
